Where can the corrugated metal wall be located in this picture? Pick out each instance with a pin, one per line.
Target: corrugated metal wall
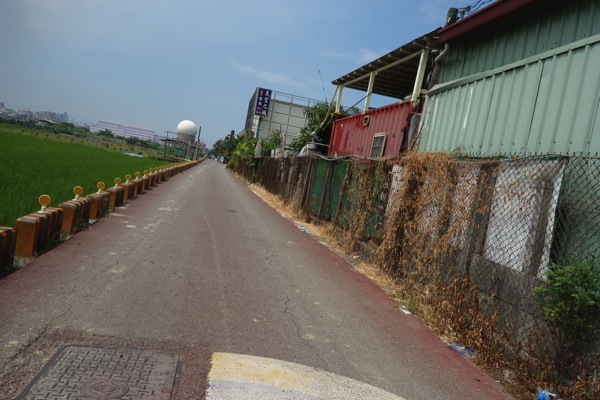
(350, 137)
(543, 104)
(544, 26)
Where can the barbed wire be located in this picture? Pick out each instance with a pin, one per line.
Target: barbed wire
(470, 9)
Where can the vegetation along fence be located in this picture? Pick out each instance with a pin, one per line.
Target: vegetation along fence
(498, 254)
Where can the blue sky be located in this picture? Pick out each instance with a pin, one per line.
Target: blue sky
(154, 63)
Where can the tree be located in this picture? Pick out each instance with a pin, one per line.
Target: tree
(147, 144)
(225, 147)
(318, 129)
(244, 150)
(219, 148)
(105, 133)
(272, 143)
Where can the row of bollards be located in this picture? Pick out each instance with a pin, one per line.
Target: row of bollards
(40, 231)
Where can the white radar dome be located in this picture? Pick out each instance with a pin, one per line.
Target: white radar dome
(187, 127)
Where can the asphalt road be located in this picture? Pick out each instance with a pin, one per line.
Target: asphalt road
(199, 265)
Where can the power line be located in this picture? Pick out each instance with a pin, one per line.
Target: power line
(322, 84)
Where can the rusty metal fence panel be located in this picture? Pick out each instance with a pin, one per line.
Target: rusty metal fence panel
(327, 190)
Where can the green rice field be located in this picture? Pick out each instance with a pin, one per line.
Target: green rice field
(33, 163)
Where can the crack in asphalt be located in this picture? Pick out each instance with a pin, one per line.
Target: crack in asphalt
(285, 312)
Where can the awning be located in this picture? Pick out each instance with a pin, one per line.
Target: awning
(396, 71)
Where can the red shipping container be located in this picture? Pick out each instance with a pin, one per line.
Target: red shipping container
(363, 135)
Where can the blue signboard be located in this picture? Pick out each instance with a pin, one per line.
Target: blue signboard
(263, 99)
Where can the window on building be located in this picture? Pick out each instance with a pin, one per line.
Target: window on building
(378, 145)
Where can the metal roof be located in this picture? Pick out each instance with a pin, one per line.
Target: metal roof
(396, 71)
(496, 10)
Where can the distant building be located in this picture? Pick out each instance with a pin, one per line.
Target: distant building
(125, 130)
(270, 111)
(24, 115)
(28, 115)
(52, 116)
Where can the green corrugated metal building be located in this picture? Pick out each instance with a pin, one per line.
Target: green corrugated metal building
(518, 77)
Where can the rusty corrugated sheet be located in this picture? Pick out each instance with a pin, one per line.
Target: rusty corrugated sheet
(350, 136)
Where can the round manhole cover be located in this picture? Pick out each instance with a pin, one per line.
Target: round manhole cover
(103, 389)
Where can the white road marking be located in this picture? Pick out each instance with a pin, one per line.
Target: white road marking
(239, 376)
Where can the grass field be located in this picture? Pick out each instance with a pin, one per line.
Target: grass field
(33, 163)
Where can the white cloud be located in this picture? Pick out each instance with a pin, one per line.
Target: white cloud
(337, 54)
(368, 55)
(268, 76)
(363, 56)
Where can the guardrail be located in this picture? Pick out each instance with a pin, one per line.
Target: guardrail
(40, 231)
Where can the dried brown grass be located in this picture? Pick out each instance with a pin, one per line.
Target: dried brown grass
(326, 233)
(414, 258)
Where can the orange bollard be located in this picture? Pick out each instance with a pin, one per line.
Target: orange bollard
(139, 184)
(158, 171)
(75, 214)
(100, 202)
(38, 232)
(128, 188)
(149, 177)
(8, 239)
(146, 179)
(116, 195)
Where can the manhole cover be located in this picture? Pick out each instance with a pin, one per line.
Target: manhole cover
(80, 372)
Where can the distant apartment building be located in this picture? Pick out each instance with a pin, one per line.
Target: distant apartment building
(22, 115)
(270, 111)
(28, 115)
(52, 116)
(125, 130)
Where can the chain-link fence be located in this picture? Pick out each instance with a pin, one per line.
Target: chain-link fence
(470, 241)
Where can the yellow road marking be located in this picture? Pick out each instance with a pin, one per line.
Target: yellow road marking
(238, 376)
